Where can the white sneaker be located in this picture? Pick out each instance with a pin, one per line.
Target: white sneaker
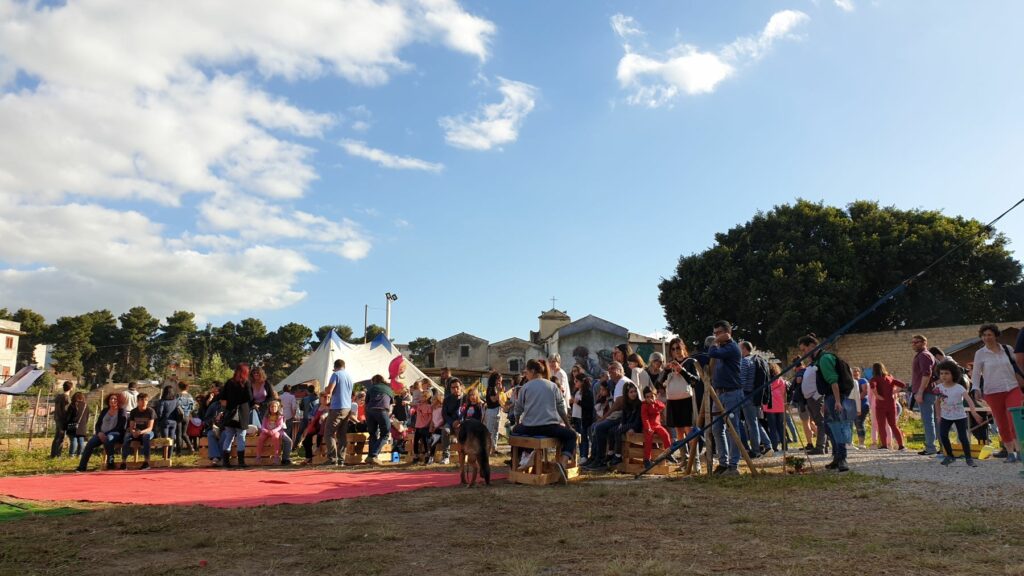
(445, 461)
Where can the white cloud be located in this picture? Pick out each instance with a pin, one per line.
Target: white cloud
(846, 5)
(461, 31)
(494, 124)
(361, 118)
(120, 259)
(387, 160)
(625, 26)
(657, 80)
(153, 101)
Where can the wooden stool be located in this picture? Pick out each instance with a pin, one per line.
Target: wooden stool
(633, 455)
(162, 444)
(542, 469)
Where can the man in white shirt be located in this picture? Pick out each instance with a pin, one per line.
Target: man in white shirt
(289, 409)
(559, 377)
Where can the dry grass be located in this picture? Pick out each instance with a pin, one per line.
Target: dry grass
(782, 524)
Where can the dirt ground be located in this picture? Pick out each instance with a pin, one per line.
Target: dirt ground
(810, 524)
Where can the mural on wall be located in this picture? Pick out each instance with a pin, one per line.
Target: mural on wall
(594, 364)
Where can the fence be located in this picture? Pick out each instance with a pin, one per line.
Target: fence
(20, 424)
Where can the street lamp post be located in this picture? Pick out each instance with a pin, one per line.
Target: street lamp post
(389, 298)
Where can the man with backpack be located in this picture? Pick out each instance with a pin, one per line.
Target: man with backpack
(835, 383)
(754, 375)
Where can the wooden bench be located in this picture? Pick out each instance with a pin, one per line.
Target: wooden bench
(250, 453)
(542, 469)
(633, 455)
(157, 446)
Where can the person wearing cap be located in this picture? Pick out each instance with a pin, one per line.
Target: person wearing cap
(726, 382)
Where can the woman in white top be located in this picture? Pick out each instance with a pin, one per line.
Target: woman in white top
(679, 392)
(637, 372)
(992, 362)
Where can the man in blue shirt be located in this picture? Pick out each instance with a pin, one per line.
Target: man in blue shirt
(339, 388)
(725, 380)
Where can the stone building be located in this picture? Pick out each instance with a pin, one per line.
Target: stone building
(462, 351)
(510, 355)
(10, 333)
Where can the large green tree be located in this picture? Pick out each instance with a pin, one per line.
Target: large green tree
(344, 332)
(420, 350)
(372, 331)
(809, 267)
(138, 327)
(34, 326)
(109, 349)
(287, 346)
(70, 336)
(171, 346)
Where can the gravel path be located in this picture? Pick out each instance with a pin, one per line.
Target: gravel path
(994, 483)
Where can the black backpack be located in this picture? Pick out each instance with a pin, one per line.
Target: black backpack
(762, 375)
(846, 382)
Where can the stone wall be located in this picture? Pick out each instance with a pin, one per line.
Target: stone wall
(892, 348)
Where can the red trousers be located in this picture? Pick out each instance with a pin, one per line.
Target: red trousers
(649, 439)
(1000, 404)
(885, 416)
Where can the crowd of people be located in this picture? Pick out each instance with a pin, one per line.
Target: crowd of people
(663, 398)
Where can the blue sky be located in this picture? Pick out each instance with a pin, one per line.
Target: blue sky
(286, 167)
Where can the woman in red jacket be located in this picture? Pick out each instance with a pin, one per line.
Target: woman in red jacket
(884, 387)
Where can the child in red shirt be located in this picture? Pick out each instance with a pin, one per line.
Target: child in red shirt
(650, 415)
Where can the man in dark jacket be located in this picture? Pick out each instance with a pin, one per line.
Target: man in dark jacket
(60, 418)
(450, 412)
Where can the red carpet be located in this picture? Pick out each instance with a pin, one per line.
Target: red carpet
(220, 488)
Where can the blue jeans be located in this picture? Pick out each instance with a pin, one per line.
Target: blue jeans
(601, 431)
(840, 425)
(227, 435)
(776, 429)
(169, 429)
(77, 444)
(143, 439)
(95, 443)
(928, 420)
(728, 452)
(577, 424)
(213, 449)
(378, 425)
(756, 435)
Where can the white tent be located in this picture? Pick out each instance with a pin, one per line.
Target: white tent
(21, 381)
(362, 362)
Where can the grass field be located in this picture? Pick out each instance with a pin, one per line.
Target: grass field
(809, 524)
(605, 525)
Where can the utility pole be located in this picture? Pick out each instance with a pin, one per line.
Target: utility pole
(366, 320)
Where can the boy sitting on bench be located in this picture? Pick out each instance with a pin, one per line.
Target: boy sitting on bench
(140, 428)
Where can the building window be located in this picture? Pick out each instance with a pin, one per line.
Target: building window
(463, 350)
(514, 366)
(10, 342)
(6, 372)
